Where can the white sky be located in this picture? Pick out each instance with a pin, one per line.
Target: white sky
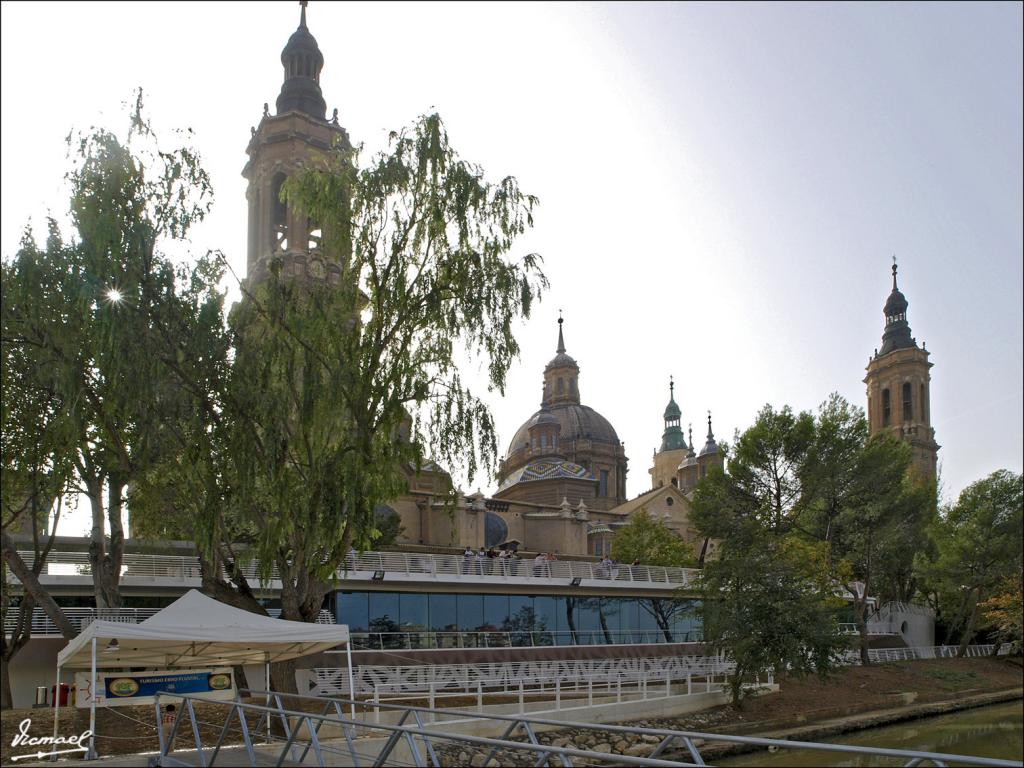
(722, 186)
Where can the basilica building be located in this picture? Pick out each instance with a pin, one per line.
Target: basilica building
(562, 481)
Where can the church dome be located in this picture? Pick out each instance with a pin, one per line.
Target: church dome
(576, 421)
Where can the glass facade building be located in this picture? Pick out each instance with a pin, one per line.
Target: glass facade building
(440, 620)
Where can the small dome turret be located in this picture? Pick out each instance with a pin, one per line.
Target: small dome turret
(302, 62)
(672, 438)
(710, 447)
(897, 329)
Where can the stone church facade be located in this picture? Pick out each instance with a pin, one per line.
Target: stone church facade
(562, 481)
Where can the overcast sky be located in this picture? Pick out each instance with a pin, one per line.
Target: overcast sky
(722, 186)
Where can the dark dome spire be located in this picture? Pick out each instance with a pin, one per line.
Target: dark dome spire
(672, 438)
(302, 62)
(897, 330)
(561, 359)
(710, 447)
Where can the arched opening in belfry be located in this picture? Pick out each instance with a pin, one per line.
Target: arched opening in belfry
(279, 215)
(908, 405)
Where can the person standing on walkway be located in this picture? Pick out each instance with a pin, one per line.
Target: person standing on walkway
(167, 718)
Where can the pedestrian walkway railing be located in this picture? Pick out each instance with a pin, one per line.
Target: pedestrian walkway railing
(300, 725)
(508, 675)
(185, 570)
(873, 629)
(80, 618)
(929, 652)
(424, 640)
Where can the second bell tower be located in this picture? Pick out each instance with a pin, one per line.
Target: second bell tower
(279, 146)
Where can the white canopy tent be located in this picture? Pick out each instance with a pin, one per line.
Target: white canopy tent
(194, 631)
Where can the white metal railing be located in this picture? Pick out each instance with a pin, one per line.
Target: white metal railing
(874, 629)
(184, 570)
(926, 652)
(424, 640)
(80, 618)
(508, 675)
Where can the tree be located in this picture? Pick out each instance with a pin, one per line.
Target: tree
(94, 313)
(650, 541)
(769, 599)
(979, 546)
(858, 498)
(764, 484)
(769, 604)
(1005, 612)
(335, 388)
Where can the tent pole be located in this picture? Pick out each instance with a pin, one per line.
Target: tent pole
(351, 679)
(56, 708)
(267, 702)
(92, 706)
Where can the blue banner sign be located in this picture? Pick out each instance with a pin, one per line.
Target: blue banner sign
(127, 688)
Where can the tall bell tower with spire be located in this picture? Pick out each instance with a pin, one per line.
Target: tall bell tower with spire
(898, 382)
(279, 146)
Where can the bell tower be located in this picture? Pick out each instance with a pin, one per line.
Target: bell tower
(279, 146)
(898, 381)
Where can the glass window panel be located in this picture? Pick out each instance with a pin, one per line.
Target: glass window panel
(588, 611)
(566, 614)
(546, 615)
(612, 616)
(496, 612)
(384, 612)
(443, 613)
(521, 619)
(646, 624)
(628, 621)
(471, 611)
(352, 610)
(413, 612)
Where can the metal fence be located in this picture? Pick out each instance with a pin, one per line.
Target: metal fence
(301, 724)
(930, 652)
(508, 675)
(80, 618)
(426, 640)
(184, 570)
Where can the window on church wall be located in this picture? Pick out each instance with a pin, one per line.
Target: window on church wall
(543, 442)
(886, 408)
(908, 406)
(921, 404)
(602, 488)
(278, 214)
(560, 386)
(572, 385)
(315, 235)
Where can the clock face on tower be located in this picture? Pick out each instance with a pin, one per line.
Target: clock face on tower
(316, 269)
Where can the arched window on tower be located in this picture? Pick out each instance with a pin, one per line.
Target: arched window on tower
(921, 404)
(560, 386)
(886, 408)
(279, 215)
(315, 236)
(908, 406)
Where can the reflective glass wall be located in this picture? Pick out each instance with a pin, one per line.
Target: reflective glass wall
(439, 620)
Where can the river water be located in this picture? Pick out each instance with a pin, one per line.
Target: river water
(993, 731)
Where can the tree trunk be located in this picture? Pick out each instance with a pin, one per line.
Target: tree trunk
(104, 581)
(604, 624)
(30, 584)
(6, 699)
(965, 639)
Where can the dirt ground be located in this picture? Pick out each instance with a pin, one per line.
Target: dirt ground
(860, 689)
(129, 730)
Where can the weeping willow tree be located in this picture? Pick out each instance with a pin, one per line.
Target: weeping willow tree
(339, 388)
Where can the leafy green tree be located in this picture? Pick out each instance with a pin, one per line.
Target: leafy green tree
(1005, 612)
(764, 483)
(979, 546)
(96, 313)
(858, 498)
(770, 604)
(336, 388)
(651, 542)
